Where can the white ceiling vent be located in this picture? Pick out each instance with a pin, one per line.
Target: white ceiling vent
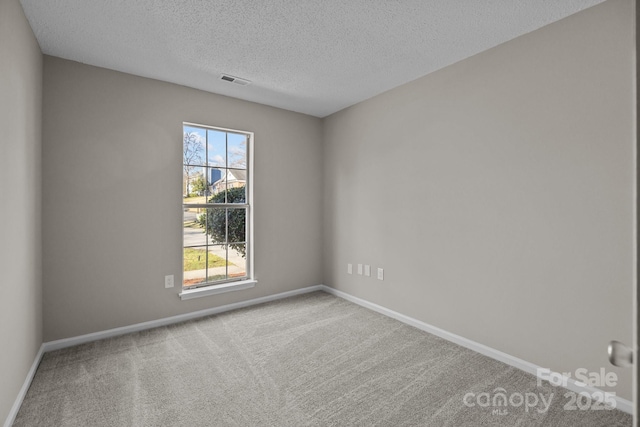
(236, 80)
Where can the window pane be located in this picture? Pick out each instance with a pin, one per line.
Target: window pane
(231, 187)
(217, 269)
(219, 187)
(236, 185)
(194, 181)
(217, 148)
(208, 183)
(237, 260)
(216, 225)
(237, 225)
(194, 228)
(237, 151)
(215, 179)
(194, 266)
(193, 146)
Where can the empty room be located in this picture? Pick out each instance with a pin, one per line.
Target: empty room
(318, 213)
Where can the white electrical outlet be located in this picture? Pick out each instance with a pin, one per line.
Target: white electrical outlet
(360, 269)
(380, 274)
(168, 281)
(349, 268)
(367, 270)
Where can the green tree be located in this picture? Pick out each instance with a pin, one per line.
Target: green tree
(199, 184)
(217, 221)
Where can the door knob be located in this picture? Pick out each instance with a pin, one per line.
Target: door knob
(620, 355)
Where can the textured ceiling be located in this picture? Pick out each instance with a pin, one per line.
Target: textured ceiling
(314, 57)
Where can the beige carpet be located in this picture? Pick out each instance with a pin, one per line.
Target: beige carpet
(311, 360)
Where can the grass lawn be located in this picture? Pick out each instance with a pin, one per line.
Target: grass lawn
(194, 200)
(192, 224)
(194, 259)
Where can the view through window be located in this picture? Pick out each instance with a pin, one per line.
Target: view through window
(216, 206)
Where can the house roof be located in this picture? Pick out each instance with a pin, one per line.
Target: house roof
(234, 175)
(238, 174)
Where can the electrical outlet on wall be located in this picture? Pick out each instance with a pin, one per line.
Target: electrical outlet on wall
(360, 269)
(349, 268)
(367, 270)
(380, 274)
(168, 281)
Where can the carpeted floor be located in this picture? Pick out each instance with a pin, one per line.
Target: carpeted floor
(311, 360)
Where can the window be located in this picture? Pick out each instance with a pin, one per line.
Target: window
(217, 206)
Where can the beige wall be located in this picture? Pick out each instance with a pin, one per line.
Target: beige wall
(112, 194)
(497, 194)
(20, 235)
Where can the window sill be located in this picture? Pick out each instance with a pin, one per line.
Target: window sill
(217, 289)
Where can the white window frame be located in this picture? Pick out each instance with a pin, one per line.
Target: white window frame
(249, 281)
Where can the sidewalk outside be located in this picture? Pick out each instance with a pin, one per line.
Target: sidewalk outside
(237, 269)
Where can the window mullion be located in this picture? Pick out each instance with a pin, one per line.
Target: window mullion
(206, 211)
(226, 239)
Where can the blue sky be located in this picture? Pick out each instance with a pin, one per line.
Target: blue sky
(218, 149)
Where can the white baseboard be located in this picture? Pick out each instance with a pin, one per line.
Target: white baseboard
(622, 404)
(25, 387)
(69, 342)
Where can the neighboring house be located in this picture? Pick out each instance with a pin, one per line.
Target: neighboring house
(237, 178)
(232, 178)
